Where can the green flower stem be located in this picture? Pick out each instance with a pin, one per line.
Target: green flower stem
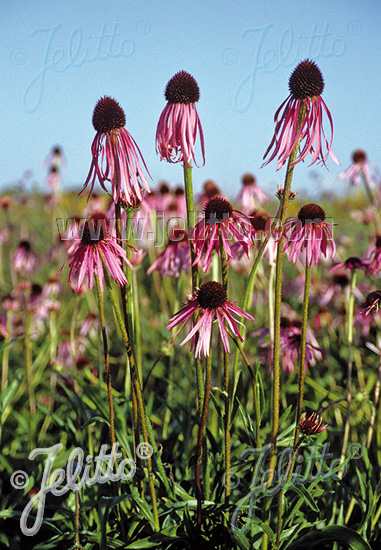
(139, 396)
(77, 543)
(224, 263)
(251, 281)
(277, 316)
(227, 426)
(107, 370)
(271, 302)
(191, 219)
(129, 288)
(1, 266)
(286, 475)
(350, 321)
(125, 291)
(302, 351)
(191, 215)
(29, 365)
(6, 350)
(371, 200)
(224, 280)
(138, 331)
(254, 381)
(200, 437)
(146, 426)
(374, 408)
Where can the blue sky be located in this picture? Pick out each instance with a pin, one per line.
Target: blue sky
(59, 59)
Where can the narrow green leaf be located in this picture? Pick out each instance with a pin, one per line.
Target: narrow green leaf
(332, 533)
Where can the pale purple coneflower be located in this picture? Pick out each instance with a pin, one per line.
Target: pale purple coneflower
(53, 179)
(365, 215)
(179, 122)
(180, 200)
(374, 264)
(290, 337)
(209, 302)
(56, 158)
(360, 168)
(90, 326)
(67, 346)
(290, 348)
(309, 232)
(176, 257)
(116, 158)
(220, 218)
(372, 303)
(306, 85)
(250, 195)
(210, 191)
(97, 246)
(312, 424)
(24, 259)
(352, 263)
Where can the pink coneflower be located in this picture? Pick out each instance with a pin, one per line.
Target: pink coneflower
(374, 265)
(209, 302)
(306, 85)
(312, 424)
(352, 263)
(176, 257)
(97, 244)
(309, 232)
(290, 348)
(67, 346)
(210, 191)
(24, 259)
(179, 122)
(5, 202)
(115, 154)
(90, 326)
(365, 215)
(372, 303)
(338, 286)
(220, 217)
(250, 195)
(290, 337)
(53, 179)
(56, 158)
(360, 168)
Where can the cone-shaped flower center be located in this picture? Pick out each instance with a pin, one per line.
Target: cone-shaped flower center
(164, 189)
(36, 290)
(248, 179)
(211, 189)
(285, 322)
(373, 298)
(95, 229)
(211, 295)
(108, 115)
(25, 245)
(306, 80)
(182, 88)
(359, 156)
(259, 220)
(311, 425)
(217, 210)
(341, 279)
(178, 235)
(179, 191)
(378, 241)
(311, 213)
(353, 262)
